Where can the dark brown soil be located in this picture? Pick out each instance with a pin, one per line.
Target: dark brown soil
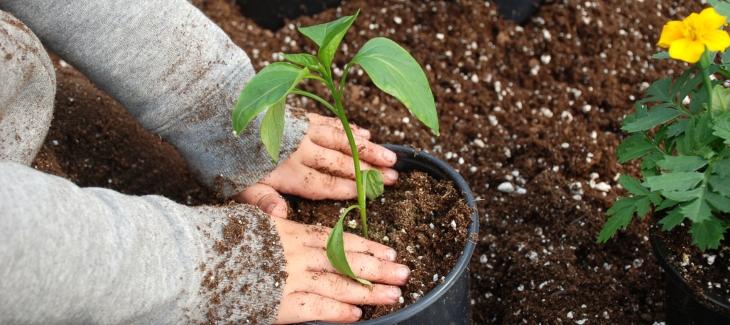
(426, 221)
(538, 106)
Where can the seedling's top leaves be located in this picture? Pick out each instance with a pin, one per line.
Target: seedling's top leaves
(336, 250)
(397, 73)
(328, 37)
(303, 59)
(267, 87)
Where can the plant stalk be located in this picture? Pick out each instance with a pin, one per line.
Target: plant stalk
(704, 65)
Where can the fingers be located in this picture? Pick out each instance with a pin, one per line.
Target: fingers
(317, 237)
(265, 197)
(335, 138)
(301, 306)
(369, 268)
(333, 122)
(346, 290)
(310, 183)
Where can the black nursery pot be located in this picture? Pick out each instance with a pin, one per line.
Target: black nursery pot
(684, 304)
(449, 302)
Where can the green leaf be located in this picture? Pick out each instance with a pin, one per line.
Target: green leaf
(721, 168)
(665, 204)
(328, 36)
(373, 183)
(718, 202)
(272, 128)
(661, 55)
(682, 163)
(683, 196)
(722, 127)
(303, 59)
(660, 91)
(397, 73)
(719, 185)
(634, 146)
(699, 99)
(267, 87)
(649, 162)
(677, 181)
(621, 214)
(642, 206)
(632, 185)
(678, 127)
(657, 115)
(696, 210)
(336, 250)
(720, 98)
(671, 220)
(691, 85)
(707, 233)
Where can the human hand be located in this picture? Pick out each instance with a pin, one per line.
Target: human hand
(315, 291)
(320, 168)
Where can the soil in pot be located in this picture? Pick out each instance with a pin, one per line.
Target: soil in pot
(425, 220)
(705, 272)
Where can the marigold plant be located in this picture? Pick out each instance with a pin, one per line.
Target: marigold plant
(681, 133)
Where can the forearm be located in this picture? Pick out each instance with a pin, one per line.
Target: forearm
(92, 255)
(176, 72)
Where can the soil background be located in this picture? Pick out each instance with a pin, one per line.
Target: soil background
(538, 106)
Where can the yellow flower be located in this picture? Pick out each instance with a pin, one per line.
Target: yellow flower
(687, 39)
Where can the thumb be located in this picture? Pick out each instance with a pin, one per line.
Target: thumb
(265, 197)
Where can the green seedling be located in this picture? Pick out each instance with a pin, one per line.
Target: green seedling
(390, 67)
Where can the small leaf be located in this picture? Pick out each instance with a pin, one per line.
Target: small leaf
(707, 233)
(373, 183)
(303, 59)
(722, 127)
(328, 36)
(632, 185)
(699, 99)
(336, 250)
(642, 206)
(634, 146)
(267, 87)
(660, 91)
(721, 168)
(718, 202)
(671, 220)
(678, 127)
(682, 163)
(622, 212)
(665, 204)
(722, 7)
(697, 210)
(720, 98)
(272, 128)
(657, 115)
(661, 55)
(677, 181)
(683, 196)
(691, 85)
(396, 72)
(719, 185)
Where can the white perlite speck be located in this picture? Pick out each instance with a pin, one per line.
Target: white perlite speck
(506, 187)
(397, 20)
(400, 300)
(435, 277)
(483, 259)
(453, 224)
(569, 315)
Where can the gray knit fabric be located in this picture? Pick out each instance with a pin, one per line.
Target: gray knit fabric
(175, 70)
(27, 88)
(80, 256)
(76, 256)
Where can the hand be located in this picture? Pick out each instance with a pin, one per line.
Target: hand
(323, 148)
(315, 291)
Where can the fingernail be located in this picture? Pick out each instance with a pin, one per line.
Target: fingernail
(363, 133)
(389, 156)
(391, 254)
(402, 273)
(270, 208)
(357, 312)
(393, 293)
(391, 174)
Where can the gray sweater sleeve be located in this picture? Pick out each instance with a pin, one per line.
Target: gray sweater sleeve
(175, 70)
(90, 255)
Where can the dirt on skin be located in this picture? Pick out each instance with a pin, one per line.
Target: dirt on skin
(538, 106)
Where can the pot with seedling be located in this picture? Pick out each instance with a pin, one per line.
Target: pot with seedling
(681, 131)
(393, 70)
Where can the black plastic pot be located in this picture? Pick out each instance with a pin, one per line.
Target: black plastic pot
(449, 302)
(684, 304)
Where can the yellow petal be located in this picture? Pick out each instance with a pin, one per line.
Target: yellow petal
(716, 40)
(686, 50)
(710, 19)
(671, 32)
